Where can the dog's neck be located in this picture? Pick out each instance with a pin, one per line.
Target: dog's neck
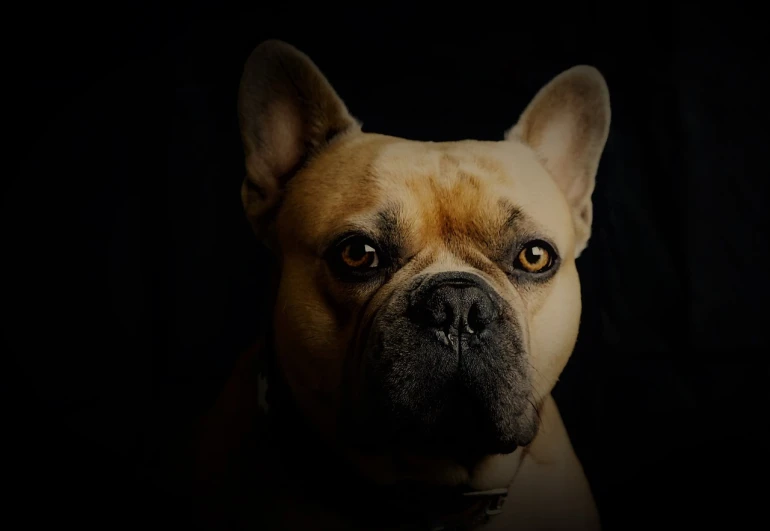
(311, 468)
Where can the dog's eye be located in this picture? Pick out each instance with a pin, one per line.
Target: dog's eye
(356, 258)
(359, 254)
(535, 257)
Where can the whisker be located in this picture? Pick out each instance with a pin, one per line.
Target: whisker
(538, 373)
(537, 410)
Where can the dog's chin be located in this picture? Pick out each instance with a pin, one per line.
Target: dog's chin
(445, 459)
(474, 468)
(459, 448)
(478, 471)
(467, 455)
(469, 435)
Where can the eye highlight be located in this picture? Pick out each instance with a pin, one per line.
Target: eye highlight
(535, 257)
(358, 254)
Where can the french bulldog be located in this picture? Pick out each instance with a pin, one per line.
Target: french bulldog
(426, 302)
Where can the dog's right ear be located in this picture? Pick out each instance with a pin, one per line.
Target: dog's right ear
(288, 112)
(567, 124)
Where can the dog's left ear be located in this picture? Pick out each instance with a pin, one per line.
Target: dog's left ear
(567, 124)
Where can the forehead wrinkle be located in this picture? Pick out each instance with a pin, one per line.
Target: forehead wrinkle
(392, 225)
(446, 193)
(513, 217)
(460, 206)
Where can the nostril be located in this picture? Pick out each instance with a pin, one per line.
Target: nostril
(480, 314)
(437, 312)
(473, 323)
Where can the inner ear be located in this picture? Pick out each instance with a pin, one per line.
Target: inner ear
(288, 113)
(567, 124)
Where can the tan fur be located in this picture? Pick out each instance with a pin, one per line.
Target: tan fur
(312, 173)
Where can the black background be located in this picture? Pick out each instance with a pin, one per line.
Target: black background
(131, 279)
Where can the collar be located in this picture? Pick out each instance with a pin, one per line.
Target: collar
(402, 506)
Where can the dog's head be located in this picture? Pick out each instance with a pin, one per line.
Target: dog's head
(428, 295)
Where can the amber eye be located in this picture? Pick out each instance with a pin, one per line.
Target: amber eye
(358, 254)
(535, 257)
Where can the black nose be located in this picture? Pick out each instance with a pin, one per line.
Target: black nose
(455, 306)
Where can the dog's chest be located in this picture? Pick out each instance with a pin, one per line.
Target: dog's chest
(285, 508)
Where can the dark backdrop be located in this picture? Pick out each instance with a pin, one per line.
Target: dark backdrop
(131, 280)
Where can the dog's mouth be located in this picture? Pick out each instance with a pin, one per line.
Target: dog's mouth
(475, 421)
(453, 428)
(441, 411)
(411, 393)
(466, 428)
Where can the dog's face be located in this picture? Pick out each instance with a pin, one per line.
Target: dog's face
(428, 295)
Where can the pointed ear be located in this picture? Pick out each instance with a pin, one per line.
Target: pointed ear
(288, 112)
(567, 124)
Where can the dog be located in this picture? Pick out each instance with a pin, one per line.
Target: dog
(426, 301)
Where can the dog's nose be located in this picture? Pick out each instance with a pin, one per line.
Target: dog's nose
(456, 307)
